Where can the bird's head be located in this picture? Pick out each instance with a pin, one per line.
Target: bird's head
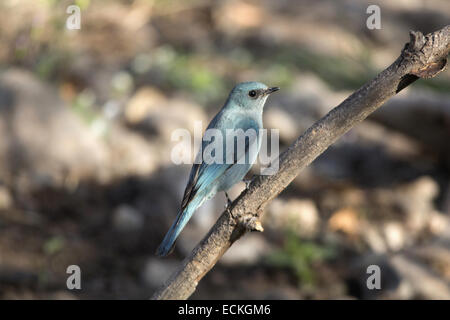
(251, 95)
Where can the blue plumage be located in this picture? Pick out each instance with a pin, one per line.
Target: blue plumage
(242, 110)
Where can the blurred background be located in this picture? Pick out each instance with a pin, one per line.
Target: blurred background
(86, 118)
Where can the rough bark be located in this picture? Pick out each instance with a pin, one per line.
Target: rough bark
(422, 57)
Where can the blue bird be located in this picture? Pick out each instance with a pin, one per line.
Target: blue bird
(242, 110)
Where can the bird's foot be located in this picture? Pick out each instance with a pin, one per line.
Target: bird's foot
(229, 202)
(247, 183)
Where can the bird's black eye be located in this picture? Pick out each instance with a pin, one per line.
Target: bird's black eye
(252, 93)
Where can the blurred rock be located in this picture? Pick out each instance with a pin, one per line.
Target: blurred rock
(42, 140)
(207, 214)
(157, 271)
(236, 16)
(144, 101)
(346, 221)
(394, 143)
(127, 219)
(420, 115)
(425, 284)
(394, 234)
(373, 237)
(130, 153)
(438, 223)
(152, 112)
(436, 255)
(417, 199)
(300, 216)
(5, 198)
(46, 143)
(132, 32)
(313, 95)
(279, 119)
(306, 100)
(248, 250)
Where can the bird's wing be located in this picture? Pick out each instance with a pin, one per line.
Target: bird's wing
(203, 174)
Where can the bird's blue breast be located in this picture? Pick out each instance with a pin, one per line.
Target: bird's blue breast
(245, 147)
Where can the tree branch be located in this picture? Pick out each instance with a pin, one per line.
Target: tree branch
(422, 57)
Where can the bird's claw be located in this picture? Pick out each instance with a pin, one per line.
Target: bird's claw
(247, 183)
(229, 202)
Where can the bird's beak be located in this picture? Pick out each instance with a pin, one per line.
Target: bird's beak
(271, 90)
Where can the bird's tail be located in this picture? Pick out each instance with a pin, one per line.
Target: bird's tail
(168, 242)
